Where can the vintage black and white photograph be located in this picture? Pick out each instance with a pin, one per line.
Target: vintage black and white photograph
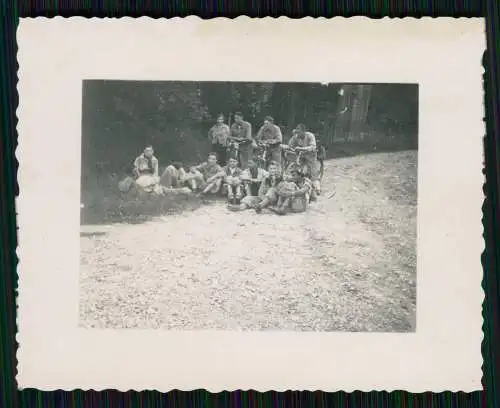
(205, 195)
(249, 206)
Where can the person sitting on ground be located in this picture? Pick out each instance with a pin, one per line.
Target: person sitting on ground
(206, 176)
(270, 134)
(145, 170)
(285, 190)
(231, 174)
(293, 192)
(302, 195)
(252, 179)
(267, 191)
(219, 136)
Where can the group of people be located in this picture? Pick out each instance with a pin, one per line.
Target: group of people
(281, 185)
(269, 136)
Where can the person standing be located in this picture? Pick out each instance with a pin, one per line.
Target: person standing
(252, 178)
(321, 154)
(219, 137)
(241, 133)
(270, 135)
(207, 176)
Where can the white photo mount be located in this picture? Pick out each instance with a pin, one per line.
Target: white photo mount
(442, 55)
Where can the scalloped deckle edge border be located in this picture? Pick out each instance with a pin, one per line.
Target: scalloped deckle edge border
(148, 20)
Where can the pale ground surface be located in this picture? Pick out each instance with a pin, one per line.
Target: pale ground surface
(347, 264)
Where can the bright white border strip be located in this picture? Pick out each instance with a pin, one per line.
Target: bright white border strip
(442, 55)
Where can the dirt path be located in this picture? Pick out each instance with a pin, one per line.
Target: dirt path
(348, 263)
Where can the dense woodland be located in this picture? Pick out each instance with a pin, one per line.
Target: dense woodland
(120, 117)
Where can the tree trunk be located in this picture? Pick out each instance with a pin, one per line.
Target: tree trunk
(359, 111)
(292, 111)
(365, 102)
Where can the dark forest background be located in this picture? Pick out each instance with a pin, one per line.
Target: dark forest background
(120, 117)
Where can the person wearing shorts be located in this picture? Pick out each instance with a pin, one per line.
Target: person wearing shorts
(174, 176)
(293, 192)
(305, 141)
(205, 178)
(145, 170)
(231, 176)
(267, 191)
(219, 137)
(252, 179)
(241, 131)
(270, 134)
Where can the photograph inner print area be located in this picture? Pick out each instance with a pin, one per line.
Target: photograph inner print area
(249, 206)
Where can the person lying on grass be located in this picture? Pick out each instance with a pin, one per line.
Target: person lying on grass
(267, 191)
(231, 178)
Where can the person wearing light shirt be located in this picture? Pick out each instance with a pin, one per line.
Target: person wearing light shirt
(270, 134)
(230, 175)
(268, 187)
(241, 132)
(305, 141)
(146, 170)
(252, 178)
(174, 176)
(219, 137)
(205, 178)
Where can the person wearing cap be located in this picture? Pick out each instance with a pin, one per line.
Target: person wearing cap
(241, 132)
(270, 135)
(305, 141)
(219, 137)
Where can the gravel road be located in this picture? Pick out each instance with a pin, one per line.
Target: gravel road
(347, 264)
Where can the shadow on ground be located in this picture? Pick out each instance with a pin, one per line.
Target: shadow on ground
(109, 207)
